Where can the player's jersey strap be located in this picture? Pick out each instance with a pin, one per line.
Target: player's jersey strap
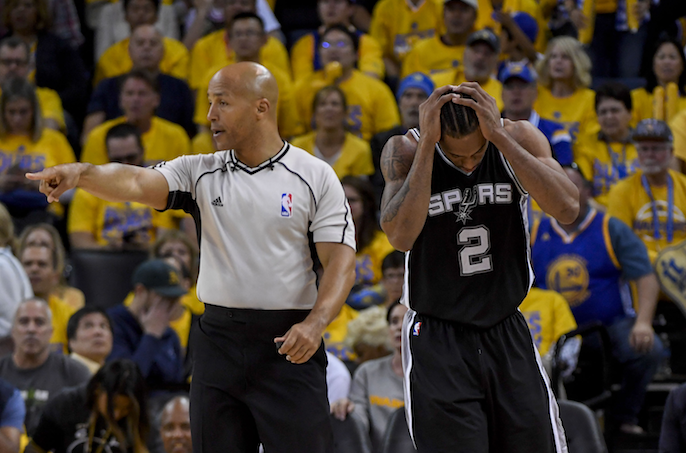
(471, 262)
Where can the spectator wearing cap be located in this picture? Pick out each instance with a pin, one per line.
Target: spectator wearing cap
(116, 61)
(89, 333)
(480, 63)
(610, 155)
(305, 58)
(652, 201)
(371, 106)
(519, 95)
(139, 97)
(492, 15)
(141, 330)
(445, 51)
(517, 36)
(330, 141)
(146, 49)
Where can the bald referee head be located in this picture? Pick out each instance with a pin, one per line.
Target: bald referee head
(242, 111)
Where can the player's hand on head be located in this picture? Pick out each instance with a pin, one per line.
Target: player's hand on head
(341, 408)
(54, 181)
(300, 342)
(485, 107)
(430, 112)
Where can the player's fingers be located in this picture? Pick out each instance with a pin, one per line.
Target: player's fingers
(438, 92)
(468, 103)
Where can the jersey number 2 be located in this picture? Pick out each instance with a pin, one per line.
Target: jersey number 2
(474, 257)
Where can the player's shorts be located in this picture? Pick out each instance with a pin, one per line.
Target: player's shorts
(470, 390)
(244, 393)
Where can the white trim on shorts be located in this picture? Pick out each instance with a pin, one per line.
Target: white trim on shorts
(408, 322)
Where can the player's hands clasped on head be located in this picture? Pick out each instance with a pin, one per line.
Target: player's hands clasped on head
(430, 112)
(54, 181)
(300, 342)
(485, 107)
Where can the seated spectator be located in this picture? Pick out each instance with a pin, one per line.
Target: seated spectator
(518, 35)
(519, 95)
(146, 50)
(32, 368)
(337, 378)
(652, 200)
(479, 64)
(377, 388)
(25, 145)
(498, 14)
(57, 65)
(591, 263)
(563, 94)
(14, 62)
(42, 267)
(12, 418)
(443, 52)
(305, 57)
(664, 95)
(141, 330)
(116, 61)
(412, 91)
(330, 141)
(610, 155)
(673, 431)
(216, 51)
(397, 25)
(98, 224)
(14, 282)
(393, 276)
(109, 413)
(371, 107)
(248, 39)
(118, 20)
(44, 235)
(175, 426)
(139, 97)
(89, 333)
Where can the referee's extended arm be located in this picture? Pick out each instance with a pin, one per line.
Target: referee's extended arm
(303, 339)
(111, 182)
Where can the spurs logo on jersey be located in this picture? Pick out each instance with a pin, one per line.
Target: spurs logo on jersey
(468, 199)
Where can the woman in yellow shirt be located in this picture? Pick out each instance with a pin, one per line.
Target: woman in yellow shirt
(331, 142)
(563, 93)
(665, 92)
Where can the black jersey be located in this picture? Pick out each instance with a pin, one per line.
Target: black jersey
(471, 262)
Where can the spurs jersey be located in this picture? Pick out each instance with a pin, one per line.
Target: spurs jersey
(471, 261)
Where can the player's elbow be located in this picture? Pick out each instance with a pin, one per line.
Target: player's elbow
(398, 240)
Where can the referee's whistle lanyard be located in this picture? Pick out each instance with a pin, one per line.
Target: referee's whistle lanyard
(670, 208)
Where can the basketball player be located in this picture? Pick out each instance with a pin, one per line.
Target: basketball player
(456, 200)
(259, 366)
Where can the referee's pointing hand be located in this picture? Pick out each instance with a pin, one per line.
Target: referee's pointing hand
(300, 342)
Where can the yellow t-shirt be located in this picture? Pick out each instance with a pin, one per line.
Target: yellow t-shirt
(602, 166)
(575, 112)
(335, 333)
(484, 18)
(51, 149)
(211, 52)
(549, 317)
(370, 60)
(678, 127)
(50, 105)
(432, 56)
(456, 77)
(397, 26)
(73, 297)
(61, 312)
(355, 158)
(371, 105)
(163, 141)
(629, 202)
(643, 106)
(116, 60)
(288, 119)
(368, 260)
(202, 143)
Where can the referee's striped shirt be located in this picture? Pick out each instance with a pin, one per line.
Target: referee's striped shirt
(253, 224)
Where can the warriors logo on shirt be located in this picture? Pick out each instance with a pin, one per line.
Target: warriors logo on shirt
(286, 205)
(568, 275)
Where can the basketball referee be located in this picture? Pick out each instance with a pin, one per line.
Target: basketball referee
(253, 206)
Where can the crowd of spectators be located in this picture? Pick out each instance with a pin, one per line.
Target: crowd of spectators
(125, 81)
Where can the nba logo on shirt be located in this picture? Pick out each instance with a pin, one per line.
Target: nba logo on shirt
(415, 329)
(286, 205)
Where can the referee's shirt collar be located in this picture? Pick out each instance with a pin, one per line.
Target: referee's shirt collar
(234, 163)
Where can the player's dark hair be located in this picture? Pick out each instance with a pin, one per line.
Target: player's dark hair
(651, 78)
(613, 90)
(156, 4)
(140, 74)
(393, 260)
(246, 15)
(342, 28)
(75, 319)
(124, 130)
(368, 225)
(458, 120)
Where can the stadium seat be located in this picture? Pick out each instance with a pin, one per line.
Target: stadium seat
(348, 436)
(104, 276)
(397, 439)
(581, 427)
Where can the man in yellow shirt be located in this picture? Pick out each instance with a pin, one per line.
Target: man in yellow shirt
(116, 60)
(653, 200)
(491, 12)
(442, 52)
(371, 106)
(480, 62)
(14, 62)
(162, 139)
(98, 224)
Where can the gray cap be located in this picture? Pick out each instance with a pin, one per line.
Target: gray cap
(487, 36)
(652, 130)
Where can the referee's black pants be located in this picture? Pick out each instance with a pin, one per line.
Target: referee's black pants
(244, 393)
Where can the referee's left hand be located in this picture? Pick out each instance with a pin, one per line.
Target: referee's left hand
(300, 342)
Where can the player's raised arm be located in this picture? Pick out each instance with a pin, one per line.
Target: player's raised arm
(111, 182)
(528, 151)
(405, 201)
